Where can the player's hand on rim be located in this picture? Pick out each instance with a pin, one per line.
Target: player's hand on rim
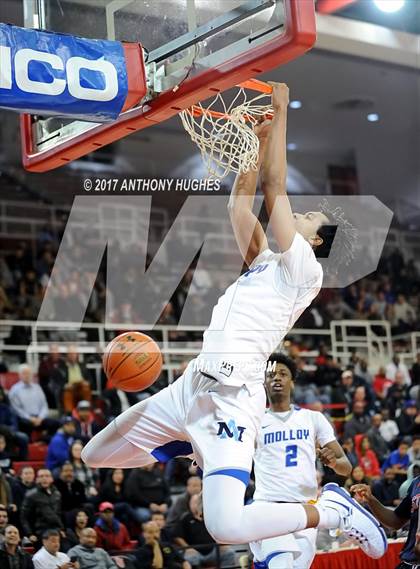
(362, 492)
(279, 96)
(262, 128)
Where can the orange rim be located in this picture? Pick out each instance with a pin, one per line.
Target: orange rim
(252, 84)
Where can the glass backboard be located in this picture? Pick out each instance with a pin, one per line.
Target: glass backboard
(192, 49)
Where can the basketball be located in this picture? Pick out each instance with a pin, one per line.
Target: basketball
(132, 361)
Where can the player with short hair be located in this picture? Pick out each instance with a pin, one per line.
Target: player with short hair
(407, 511)
(215, 408)
(284, 464)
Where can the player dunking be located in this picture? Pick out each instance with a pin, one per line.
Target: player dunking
(284, 464)
(216, 415)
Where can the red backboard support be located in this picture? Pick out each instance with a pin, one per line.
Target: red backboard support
(298, 38)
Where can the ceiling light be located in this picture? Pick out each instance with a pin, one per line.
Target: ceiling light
(292, 146)
(389, 6)
(295, 104)
(372, 117)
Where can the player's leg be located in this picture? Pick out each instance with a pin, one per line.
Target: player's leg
(222, 423)
(149, 431)
(306, 541)
(109, 449)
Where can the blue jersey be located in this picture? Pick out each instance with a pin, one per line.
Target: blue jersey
(408, 509)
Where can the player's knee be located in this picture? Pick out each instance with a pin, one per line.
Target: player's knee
(92, 455)
(224, 530)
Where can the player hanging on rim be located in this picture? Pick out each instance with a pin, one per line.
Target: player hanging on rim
(215, 415)
(284, 464)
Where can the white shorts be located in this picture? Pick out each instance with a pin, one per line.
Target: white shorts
(199, 417)
(293, 551)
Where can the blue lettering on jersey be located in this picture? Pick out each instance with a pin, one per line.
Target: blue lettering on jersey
(257, 269)
(230, 430)
(290, 435)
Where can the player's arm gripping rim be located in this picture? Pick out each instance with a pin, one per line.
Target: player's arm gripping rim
(384, 515)
(248, 231)
(333, 456)
(274, 171)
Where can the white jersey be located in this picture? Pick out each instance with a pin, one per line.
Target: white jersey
(256, 312)
(284, 462)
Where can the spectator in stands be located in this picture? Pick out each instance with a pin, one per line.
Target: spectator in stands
(362, 371)
(30, 404)
(362, 394)
(112, 534)
(191, 532)
(6, 497)
(377, 443)
(86, 427)
(51, 376)
(357, 477)
(4, 521)
(12, 555)
(78, 522)
(82, 472)
(348, 447)
(9, 428)
(88, 555)
(412, 472)
(381, 384)
(50, 556)
(399, 461)
(182, 504)
(160, 520)
(367, 458)
(359, 422)
(59, 447)
(415, 372)
(19, 261)
(5, 456)
(156, 553)
(396, 394)
(77, 386)
(148, 491)
(328, 374)
(407, 420)
(388, 428)
(338, 309)
(386, 489)
(403, 316)
(72, 491)
(41, 508)
(397, 366)
(414, 451)
(22, 484)
(114, 490)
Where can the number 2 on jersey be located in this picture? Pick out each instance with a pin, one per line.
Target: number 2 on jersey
(291, 455)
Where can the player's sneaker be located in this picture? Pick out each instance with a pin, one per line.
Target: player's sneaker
(356, 522)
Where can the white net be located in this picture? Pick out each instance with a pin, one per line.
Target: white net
(224, 131)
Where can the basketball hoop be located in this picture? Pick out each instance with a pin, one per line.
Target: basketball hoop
(224, 131)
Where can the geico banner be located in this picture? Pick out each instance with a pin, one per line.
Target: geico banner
(58, 74)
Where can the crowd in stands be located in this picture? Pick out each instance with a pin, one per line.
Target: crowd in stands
(391, 294)
(64, 512)
(57, 512)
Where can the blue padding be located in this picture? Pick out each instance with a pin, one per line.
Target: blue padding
(242, 475)
(171, 450)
